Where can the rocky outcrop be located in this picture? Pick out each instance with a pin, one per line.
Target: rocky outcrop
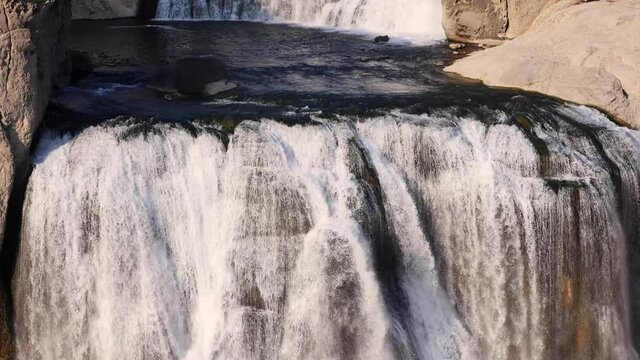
(489, 20)
(32, 62)
(105, 9)
(587, 53)
(114, 9)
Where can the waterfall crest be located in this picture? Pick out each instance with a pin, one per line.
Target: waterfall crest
(419, 19)
(399, 237)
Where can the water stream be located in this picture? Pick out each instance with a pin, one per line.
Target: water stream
(348, 201)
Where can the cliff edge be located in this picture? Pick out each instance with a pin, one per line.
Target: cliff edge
(588, 53)
(32, 63)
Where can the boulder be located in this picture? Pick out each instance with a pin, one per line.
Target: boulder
(474, 20)
(489, 20)
(189, 76)
(81, 66)
(586, 53)
(381, 39)
(105, 9)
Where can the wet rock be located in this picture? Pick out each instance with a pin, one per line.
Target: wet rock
(219, 87)
(81, 66)
(105, 9)
(456, 46)
(381, 39)
(192, 76)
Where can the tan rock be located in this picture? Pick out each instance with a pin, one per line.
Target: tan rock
(587, 53)
(32, 57)
(485, 20)
(522, 13)
(474, 20)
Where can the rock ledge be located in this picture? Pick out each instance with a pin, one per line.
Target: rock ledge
(587, 53)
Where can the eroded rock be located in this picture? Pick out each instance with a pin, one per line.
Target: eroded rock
(489, 20)
(32, 63)
(586, 53)
(105, 9)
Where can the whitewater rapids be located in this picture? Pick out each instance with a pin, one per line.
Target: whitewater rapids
(398, 237)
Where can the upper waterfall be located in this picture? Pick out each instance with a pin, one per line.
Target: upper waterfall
(416, 19)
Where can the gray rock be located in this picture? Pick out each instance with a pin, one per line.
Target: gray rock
(105, 9)
(381, 39)
(190, 76)
(219, 87)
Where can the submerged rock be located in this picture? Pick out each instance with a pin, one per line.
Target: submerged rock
(191, 76)
(219, 87)
(81, 66)
(105, 9)
(381, 39)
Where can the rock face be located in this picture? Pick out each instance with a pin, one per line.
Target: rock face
(587, 53)
(487, 20)
(105, 9)
(32, 62)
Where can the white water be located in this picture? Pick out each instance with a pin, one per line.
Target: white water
(415, 19)
(317, 242)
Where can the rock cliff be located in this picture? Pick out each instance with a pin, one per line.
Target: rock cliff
(113, 9)
(32, 63)
(105, 9)
(489, 20)
(587, 53)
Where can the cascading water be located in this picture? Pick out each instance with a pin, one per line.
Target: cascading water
(399, 237)
(418, 19)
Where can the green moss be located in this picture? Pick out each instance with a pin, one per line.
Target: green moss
(528, 128)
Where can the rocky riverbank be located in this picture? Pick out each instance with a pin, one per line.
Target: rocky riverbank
(588, 53)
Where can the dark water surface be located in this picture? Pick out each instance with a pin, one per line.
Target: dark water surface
(283, 72)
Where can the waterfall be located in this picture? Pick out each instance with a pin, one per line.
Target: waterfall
(434, 236)
(419, 19)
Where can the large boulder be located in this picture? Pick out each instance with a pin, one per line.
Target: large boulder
(191, 76)
(105, 9)
(489, 20)
(586, 53)
(114, 9)
(474, 20)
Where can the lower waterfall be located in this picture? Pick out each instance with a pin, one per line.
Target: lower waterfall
(420, 19)
(440, 236)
